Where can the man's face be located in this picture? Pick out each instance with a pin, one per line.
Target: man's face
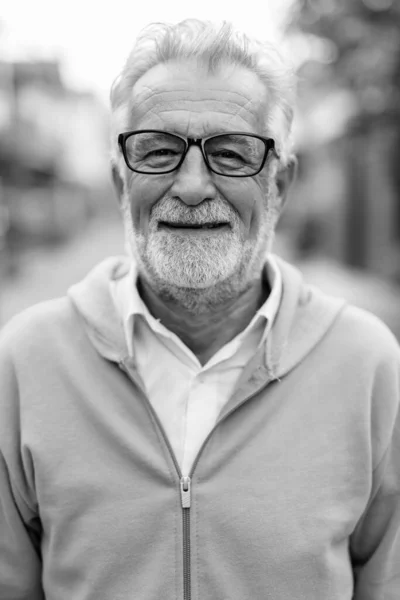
(183, 99)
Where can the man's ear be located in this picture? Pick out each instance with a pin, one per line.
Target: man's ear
(284, 179)
(118, 182)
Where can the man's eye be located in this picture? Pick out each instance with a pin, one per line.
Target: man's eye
(227, 155)
(161, 152)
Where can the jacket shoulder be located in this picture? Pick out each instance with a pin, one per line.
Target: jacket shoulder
(365, 330)
(36, 323)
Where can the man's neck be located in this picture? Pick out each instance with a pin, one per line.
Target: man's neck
(206, 331)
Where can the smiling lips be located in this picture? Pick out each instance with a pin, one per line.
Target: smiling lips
(178, 225)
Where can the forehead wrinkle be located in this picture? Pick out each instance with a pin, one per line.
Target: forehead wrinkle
(254, 111)
(156, 115)
(196, 104)
(231, 111)
(207, 124)
(233, 98)
(194, 109)
(178, 91)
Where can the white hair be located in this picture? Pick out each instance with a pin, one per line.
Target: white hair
(213, 46)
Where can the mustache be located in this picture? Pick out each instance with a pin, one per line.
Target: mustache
(173, 209)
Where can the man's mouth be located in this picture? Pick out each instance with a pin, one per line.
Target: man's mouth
(182, 225)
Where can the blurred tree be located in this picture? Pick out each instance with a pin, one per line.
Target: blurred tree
(366, 42)
(355, 46)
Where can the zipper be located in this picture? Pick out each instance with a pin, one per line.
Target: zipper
(185, 481)
(185, 497)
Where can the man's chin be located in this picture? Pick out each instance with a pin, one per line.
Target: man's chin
(196, 294)
(190, 282)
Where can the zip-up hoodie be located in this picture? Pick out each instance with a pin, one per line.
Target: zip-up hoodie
(294, 495)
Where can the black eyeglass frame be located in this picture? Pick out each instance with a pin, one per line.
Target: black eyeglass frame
(269, 144)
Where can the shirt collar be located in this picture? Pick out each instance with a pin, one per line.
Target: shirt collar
(129, 304)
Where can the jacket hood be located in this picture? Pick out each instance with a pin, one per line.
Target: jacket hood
(304, 317)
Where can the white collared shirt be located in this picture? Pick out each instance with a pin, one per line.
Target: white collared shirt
(187, 396)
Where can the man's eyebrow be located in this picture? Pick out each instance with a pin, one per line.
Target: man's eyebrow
(216, 132)
(150, 137)
(241, 140)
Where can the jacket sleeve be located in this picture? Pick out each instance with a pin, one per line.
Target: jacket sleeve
(20, 561)
(375, 543)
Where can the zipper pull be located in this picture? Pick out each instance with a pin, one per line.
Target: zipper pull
(185, 492)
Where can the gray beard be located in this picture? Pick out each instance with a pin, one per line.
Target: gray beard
(199, 274)
(197, 300)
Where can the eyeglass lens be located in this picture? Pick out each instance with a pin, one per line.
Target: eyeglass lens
(231, 154)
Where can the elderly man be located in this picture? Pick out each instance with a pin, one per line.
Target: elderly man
(194, 421)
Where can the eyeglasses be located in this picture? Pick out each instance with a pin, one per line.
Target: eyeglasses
(233, 154)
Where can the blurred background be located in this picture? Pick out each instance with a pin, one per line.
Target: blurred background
(58, 212)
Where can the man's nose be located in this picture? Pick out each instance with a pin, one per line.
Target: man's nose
(193, 182)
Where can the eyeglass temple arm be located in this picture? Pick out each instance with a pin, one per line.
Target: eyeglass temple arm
(274, 150)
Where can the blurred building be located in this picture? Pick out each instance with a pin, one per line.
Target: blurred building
(53, 156)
